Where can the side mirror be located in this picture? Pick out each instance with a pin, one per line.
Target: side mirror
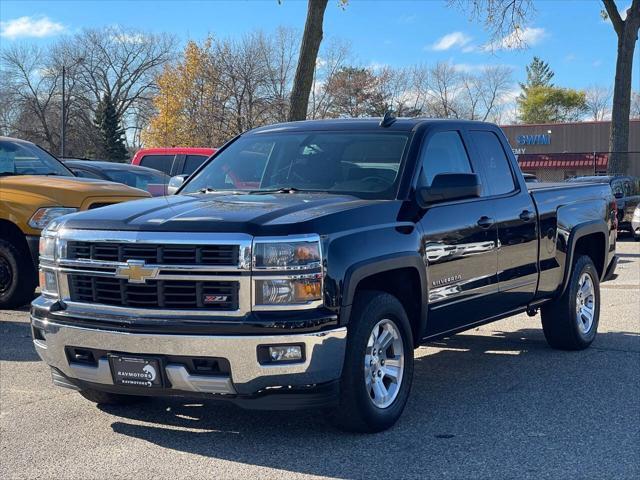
(175, 183)
(449, 186)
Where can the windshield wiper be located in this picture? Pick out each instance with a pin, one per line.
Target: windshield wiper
(275, 190)
(216, 190)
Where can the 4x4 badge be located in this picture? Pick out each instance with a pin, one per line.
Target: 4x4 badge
(136, 272)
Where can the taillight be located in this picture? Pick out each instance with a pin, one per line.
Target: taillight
(614, 209)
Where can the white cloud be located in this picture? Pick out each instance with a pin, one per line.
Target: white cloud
(476, 67)
(128, 37)
(450, 40)
(518, 38)
(24, 27)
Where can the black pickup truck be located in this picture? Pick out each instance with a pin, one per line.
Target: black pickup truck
(302, 264)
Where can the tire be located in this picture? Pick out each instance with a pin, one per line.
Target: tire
(106, 398)
(357, 410)
(17, 276)
(565, 321)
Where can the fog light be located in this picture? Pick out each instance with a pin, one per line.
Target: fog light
(285, 353)
(268, 354)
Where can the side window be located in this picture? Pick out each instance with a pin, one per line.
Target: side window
(494, 162)
(192, 162)
(628, 188)
(158, 162)
(445, 153)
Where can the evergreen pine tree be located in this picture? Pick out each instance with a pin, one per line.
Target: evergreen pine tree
(110, 134)
(539, 74)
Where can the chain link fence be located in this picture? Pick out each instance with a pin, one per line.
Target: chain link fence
(555, 167)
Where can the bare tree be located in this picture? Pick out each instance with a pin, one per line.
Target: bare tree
(279, 52)
(333, 57)
(627, 32)
(444, 89)
(503, 19)
(122, 62)
(598, 102)
(392, 86)
(32, 86)
(309, 48)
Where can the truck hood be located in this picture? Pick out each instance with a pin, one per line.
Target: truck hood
(68, 191)
(216, 212)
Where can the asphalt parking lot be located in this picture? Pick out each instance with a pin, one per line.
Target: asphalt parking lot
(495, 402)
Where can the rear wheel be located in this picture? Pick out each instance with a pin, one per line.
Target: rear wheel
(17, 276)
(106, 398)
(571, 321)
(378, 367)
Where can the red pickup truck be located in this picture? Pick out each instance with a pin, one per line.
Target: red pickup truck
(173, 160)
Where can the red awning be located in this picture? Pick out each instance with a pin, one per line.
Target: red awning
(532, 161)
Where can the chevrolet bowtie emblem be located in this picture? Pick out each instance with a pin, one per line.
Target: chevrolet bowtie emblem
(135, 272)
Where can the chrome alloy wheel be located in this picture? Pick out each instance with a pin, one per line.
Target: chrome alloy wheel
(384, 363)
(585, 303)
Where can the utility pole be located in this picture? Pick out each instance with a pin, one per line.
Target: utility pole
(62, 125)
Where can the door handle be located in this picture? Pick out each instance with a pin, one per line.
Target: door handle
(485, 222)
(527, 216)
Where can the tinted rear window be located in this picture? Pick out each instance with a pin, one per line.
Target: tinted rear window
(158, 162)
(494, 162)
(192, 162)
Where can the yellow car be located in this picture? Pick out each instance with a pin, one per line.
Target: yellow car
(35, 188)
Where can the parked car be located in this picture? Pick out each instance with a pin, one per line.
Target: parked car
(302, 266)
(36, 188)
(626, 189)
(144, 178)
(173, 161)
(635, 223)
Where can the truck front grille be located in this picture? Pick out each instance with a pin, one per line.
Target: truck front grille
(155, 294)
(218, 255)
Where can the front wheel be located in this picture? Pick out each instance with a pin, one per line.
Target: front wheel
(378, 367)
(570, 322)
(17, 276)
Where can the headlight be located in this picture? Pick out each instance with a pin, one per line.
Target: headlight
(47, 247)
(294, 291)
(43, 216)
(299, 281)
(287, 255)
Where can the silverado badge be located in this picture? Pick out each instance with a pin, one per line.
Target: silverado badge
(135, 271)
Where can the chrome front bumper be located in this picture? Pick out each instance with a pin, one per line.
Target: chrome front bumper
(323, 360)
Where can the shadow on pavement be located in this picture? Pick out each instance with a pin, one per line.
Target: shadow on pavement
(15, 342)
(507, 393)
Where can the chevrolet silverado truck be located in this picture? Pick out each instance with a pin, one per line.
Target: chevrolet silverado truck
(304, 262)
(34, 189)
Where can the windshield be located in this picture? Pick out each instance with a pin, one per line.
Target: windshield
(359, 163)
(28, 159)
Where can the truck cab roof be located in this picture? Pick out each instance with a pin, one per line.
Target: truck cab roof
(398, 124)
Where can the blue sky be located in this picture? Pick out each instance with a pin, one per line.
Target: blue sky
(570, 35)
